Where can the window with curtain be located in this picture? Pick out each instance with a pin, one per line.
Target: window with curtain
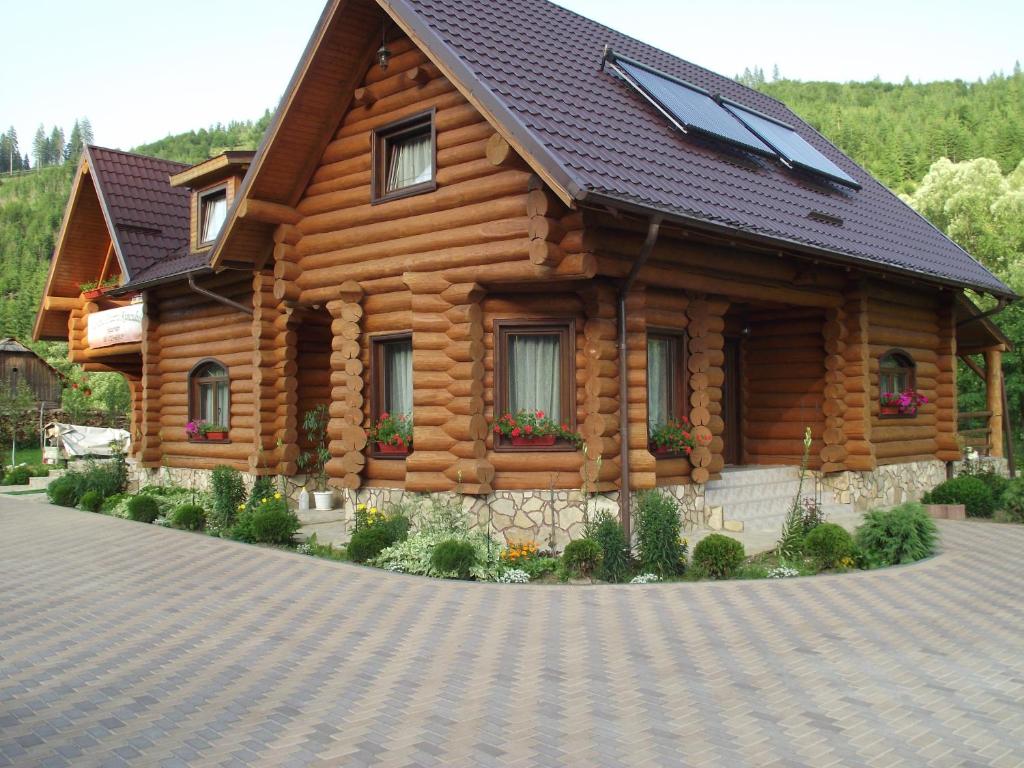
(393, 375)
(536, 369)
(895, 373)
(210, 399)
(404, 158)
(213, 212)
(666, 378)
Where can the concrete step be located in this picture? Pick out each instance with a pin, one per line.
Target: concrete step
(316, 517)
(38, 483)
(336, 533)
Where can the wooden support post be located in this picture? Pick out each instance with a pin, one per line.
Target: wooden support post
(347, 458)
(946, 404)
(860, 450)
(833, 453)
(994, 400)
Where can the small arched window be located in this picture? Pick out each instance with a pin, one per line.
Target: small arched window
(209, 390)
(896, 382)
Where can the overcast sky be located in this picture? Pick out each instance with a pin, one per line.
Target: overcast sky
(141, 69)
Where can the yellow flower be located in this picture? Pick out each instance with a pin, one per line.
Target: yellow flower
(241, 506)
(277, 495)
(263, 500)
(373, 510)
(360, 507)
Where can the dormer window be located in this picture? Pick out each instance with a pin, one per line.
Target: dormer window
(403, 158)
(213, 212)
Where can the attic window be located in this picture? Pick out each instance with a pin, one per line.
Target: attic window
(403, 158)
(213, 212)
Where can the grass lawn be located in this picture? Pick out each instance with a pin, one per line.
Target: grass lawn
(28, 455)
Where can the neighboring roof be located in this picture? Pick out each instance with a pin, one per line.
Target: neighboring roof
(196, 175)
(148, 218)
(538, 68)
(13, 346)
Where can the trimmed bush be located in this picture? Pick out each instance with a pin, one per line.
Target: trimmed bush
(1013, 501)
(371, 540)
(608, 533)
(63, 491)
(143, 509)
(829, 544)
(581, 557)
(273, 524)
(973, 493)
(718, 556)
(658, 535)
(900, 535)
(189, 517)
(17, 476)
(228, 496)
(454, 557)
(92, 501)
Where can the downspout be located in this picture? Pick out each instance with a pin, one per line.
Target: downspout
(653, 225)
(217, 297)
(1001, 304)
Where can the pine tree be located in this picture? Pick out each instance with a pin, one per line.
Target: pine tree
(74, 147)
(40, 147)
(86, 127)
(56, 146)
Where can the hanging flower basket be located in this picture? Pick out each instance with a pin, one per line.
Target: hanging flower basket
(392, 450)
(542, 440)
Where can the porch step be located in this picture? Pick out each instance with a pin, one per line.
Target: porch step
(336, 533)
(318, 517)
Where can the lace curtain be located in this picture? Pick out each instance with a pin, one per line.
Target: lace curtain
(535, 374)
(658, 382)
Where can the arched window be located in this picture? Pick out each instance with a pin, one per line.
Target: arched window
(896, 382)
(209, 393)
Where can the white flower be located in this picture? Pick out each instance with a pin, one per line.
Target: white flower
(645, 578)
(304, 549)
(783, 572)
(514, 576)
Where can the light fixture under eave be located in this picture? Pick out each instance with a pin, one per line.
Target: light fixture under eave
(383, 53)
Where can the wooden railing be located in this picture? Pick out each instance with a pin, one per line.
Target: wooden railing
(977, 437)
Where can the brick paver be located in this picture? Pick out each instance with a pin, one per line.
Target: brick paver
(128, 644)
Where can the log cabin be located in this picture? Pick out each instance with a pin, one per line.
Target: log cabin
(468, 209)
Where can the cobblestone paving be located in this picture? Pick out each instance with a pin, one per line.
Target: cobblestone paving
(127, 644)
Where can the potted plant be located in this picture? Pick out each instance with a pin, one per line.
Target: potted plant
(533, 429)
(314, 461)
(674, 437)
(193, 430)
(212, 431)
(393, 434)
(903, 403)
(90, 289)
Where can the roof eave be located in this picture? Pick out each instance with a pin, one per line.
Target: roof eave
(145, 285)
(844, 259)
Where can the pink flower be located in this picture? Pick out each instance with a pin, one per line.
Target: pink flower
(528, 429)
(516, 432)
(540, 414)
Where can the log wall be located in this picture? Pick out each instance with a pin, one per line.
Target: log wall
(783, 386)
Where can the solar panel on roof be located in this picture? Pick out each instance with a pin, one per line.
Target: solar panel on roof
(690, 107)
(790, 145)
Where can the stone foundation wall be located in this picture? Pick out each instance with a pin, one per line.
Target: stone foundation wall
(552, 518)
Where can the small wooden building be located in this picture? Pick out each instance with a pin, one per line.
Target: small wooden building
(508, 206)
(19, 364)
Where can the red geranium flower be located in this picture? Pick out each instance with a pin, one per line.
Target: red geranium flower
(516, 432)
(528, 429)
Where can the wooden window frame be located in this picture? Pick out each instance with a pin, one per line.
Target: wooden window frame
(193, 394)
(911, 371)
(679, 393)
(379, 156)
(203, 198)
(566, 330)
(377, 380)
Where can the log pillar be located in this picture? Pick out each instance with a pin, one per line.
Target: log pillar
(945, 403)
(994, 400)
(833, 452)
(274, 355)
(346, 410)
(706, 358)
(149, 451)
(860, 451)
(449, 426)
(599, 421)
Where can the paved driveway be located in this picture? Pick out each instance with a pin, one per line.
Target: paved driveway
(127, 644)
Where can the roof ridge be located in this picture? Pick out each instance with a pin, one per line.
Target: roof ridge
(136, 154)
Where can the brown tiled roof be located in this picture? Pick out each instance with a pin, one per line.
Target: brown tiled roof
(149, 217)
(538, 69)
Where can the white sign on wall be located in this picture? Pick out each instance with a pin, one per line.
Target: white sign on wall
(122, 325)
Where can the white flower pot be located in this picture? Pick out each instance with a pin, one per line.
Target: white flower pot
(323, 500)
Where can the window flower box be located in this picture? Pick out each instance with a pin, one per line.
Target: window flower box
(541, 440)
(216, 435)
(904, 403)
(674, 438)
(393, 434)
(93, 293)
(392, 450)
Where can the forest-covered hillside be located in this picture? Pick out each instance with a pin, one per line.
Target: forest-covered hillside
(897, 131)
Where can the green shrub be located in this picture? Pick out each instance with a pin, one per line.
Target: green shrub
(968, 490)
(900, 535)
(189, 517)
(718, 556)
(17, 476)
(454, 557)
(371, 540)
(143, 509)
(91, 501)
(1013, 502)
(658, 536)
(829, 544)
(272, 523)
(581, 557)
(111, 502)
(228, 496)
(608, 533)
(64, 491)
